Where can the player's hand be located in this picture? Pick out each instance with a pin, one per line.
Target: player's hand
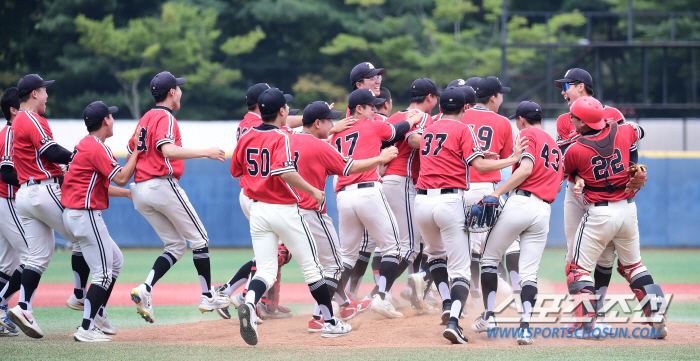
(578, 187)
(414, 117)
(319, 196)
(381, 169)
(491, 155)
(63, 168)
(342, 125)
(216, 153)
(388, 154)
(520, 146)
(128, 194)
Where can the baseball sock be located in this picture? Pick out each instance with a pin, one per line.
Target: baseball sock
(256, 289)
(239, 279)
(93, 302)
(107, 296)
(12, 286)
(344, 277)
(160, 267)
(459, 294)
(601, 278)
(527, 297)
(81, 271)
(476, 260)
(332, 285)
(438, 269)
(319, 290)
(359, 271)
(376, 262)
(4, 280)
(417, 262)
(201, 263)
(512, 262)
(387, 274)
(489, 286)
(30, 281)
(317, 312)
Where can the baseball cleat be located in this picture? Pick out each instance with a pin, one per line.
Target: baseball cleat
(454, 333)
(481, 325)
(350, 311)
(417, 284)
(249, 328)
(602, 327)
(104, 325)
(364, 305)
(315, 325)
(271, 312)
(217, 301)
(25, 321)
(525, 337)
(446, 309)
(660, 325)
(142, 298)
(384, 308)
(224, 313)
(75, 304)
(339, 329)
(6, 332)
(237, 300)
(93, 335)
(4, 320)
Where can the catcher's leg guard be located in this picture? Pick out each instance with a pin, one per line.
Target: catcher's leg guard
(651, 298)
(581, 287)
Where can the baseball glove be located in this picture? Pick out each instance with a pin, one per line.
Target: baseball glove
(482, 216)
(638, 176)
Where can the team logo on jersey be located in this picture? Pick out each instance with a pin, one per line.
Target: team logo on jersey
(45, 140)
(369, 65)
(288, 164)
(170, 137)
(114, 164)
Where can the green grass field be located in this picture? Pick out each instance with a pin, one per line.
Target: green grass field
(667, 266)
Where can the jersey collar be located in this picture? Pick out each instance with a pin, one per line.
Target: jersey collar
(265, 126)
(164, 108)
(593, 132)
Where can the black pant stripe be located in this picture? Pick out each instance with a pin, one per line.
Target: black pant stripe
(312, 242)
(55, 197)
(338, 262)
(15, 218)
(100, 245)
(199, 227)
(394, 227)
(580, 235)
(409, 217)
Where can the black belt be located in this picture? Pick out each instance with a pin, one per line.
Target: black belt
(525, 193)
(360, 186)
(48, 180)
(605, 204)
(442, 191)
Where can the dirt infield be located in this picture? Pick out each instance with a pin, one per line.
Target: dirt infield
(371, 330)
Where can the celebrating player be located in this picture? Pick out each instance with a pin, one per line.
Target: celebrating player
(532, 187)
(158, 197)
(86, 192)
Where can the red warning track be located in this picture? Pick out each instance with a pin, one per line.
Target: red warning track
(181, 294)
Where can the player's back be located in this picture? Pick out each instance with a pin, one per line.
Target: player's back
(87, 180)
(547, 171)
(158, 127)
(362, 141)
(494, 134)
(31, 135)
(250, 120)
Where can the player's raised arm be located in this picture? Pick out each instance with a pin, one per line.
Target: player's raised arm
(483, 165)
(363, 165)
(123, 176)
(172, 151)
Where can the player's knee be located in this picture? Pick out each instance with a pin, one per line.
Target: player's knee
(632, 271)
(177, 249)
(198, 243)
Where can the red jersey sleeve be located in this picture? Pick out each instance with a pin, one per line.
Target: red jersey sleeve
(335, 163)
(469, 148)
(164, 130)
(103, 161)
(508, 143)
(570, 159)
(531, 145)
(237, 166)
(564, 126)
(384, 130)
(282, 157)
(40, 134)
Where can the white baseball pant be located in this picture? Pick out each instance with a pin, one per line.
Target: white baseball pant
(13, 246)
(166, 207)
(400, 192)
(40, 212)
(528, 218)
(328, 247)
(271, 222)
(101, 253)
(441, 218)
(366, 208)
(245, 204)
(614, 223)
(574, 210)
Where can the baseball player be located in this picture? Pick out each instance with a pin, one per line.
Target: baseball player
(158, 197)
(35, 157)
(361, 201)
(12, 242)
(532, 187)
(86, 193)
(316, 160)
(448, 148)
(575, 84)
(600, 158)
(265, 158)
(366, 76)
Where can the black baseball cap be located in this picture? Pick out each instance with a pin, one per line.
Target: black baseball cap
(469, 93)
(364, 70)
(251, 97)
(271, 100)
(452, 99)
(96, 112)
(528, 110)
(473, 81)
(362, 97)
(164, 81)
(457, 83)
(575, 75)
(319, 110)
(423, 86)
(31, 82)
(490, 85)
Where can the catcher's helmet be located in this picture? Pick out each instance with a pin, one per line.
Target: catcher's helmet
(590, 111)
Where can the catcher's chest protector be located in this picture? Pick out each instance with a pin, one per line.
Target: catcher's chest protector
(605, 147)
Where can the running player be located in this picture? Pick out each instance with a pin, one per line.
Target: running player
(158, 197)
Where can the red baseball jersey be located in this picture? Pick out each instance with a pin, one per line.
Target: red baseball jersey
(6, 190)
(407, 163)
(362, 141)
(249, 121)
(159, 127)
(31, 135)
(493, 133)
(91, 168)
(262, 154)
(547, 171)
(315, 160)
(566, 130)
(446, 150)
(596, 168)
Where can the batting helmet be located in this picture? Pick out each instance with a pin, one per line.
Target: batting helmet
(590, 111)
